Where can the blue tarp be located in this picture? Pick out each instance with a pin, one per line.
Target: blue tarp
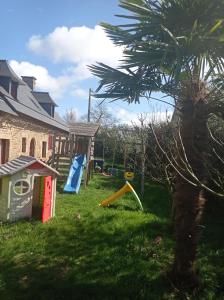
(75, 174)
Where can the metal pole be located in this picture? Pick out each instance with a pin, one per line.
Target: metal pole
(89, 106)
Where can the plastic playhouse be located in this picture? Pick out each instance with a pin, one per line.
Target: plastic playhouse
(27, 189)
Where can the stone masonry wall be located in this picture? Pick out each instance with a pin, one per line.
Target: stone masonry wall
(16, 128)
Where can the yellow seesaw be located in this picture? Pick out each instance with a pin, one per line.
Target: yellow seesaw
(126, 188)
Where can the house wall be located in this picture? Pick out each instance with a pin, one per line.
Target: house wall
(4, 199)
(16, 128)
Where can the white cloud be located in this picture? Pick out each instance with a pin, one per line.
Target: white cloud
(80, 93)
(126, 117)
(46, 82)
(80, 46)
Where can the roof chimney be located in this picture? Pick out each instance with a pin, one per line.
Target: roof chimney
(30, 81)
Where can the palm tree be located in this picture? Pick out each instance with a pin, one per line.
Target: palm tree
(176, 47)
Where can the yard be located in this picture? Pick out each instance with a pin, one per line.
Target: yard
(90, 252)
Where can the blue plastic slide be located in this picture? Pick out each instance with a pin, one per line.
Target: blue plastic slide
(75, 174)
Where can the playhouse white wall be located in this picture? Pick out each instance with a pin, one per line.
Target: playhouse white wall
(20, 207)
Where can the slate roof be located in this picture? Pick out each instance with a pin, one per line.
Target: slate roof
(84, 129)
(20, 163)
(25, 103)
(6, 108)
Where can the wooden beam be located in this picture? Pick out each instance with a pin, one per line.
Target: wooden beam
(59, 152)
(53, 151)
(89, 106)
(86, 180)
(71, 146)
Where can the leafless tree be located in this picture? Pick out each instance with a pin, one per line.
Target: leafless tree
(70, 116)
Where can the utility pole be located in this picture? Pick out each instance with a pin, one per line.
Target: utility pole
(89, 106)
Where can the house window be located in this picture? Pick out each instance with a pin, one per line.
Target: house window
(23, 144)
(4, 151)
(44, 149)
(32, 147)
(50, 142)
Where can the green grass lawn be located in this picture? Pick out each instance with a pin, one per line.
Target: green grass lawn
(91, 252)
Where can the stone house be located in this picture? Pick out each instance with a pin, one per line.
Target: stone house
(28, 120)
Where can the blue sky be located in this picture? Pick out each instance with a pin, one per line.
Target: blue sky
(54, 40)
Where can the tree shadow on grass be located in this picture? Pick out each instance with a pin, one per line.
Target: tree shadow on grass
(87, 260)
(49, 284)
(121, 207)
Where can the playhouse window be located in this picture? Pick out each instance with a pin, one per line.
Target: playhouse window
(23, 144)
(21, 187)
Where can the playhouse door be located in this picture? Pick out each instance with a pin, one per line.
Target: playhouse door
(46, 215)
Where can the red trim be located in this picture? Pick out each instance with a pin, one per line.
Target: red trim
(35, 166)
(50, 142)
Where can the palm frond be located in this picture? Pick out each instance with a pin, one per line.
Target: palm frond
(128, 85)
(172, 39)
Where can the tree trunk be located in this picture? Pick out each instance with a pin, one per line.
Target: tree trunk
(189, 200)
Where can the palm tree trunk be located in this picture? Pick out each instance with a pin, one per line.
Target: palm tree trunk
(189, 200)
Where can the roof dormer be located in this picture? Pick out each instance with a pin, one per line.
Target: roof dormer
(46, 102)
(30, 81)
(8, 79)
